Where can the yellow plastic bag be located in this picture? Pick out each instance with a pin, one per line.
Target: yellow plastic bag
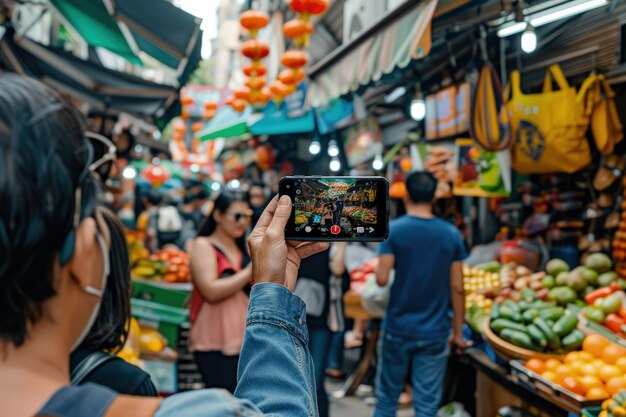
(548, 128)
(597, 97)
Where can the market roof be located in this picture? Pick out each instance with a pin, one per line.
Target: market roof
(103, 88)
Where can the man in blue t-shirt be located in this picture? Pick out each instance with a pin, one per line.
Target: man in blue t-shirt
(418, 329)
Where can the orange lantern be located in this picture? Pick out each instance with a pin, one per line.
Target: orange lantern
(239, 105)
(278, 88)
(297, 28)
(406, 164)
(255, 49)
(254, 69)
(229, 100)
(253, 20)
(294, 59)
(255, 83)
(184, 114)
(308, 8)
(210, 105)
(209, 114)
(265, 157)
(291, 77)
(197, 126)
(259, 96)
(186, 100)
(241, 93)
(397, 190)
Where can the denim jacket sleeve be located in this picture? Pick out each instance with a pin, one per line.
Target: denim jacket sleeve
(275, 376)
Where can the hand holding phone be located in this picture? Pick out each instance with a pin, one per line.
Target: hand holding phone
(337, 208)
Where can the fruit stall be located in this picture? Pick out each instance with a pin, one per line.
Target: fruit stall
(554, 337)
(160, 290)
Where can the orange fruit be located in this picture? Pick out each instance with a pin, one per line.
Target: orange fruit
(577, 366)
(571, 357)
(552, 364)
(609, 371)
(585, 356)
(551, 376)
(574, 385)
(590, 381)
(616, 384)
(597, 393)
(595, 344)
(590, 369)
(536, 365)
(621, 363)
(564, 371)
(612, 353)
(598, 363)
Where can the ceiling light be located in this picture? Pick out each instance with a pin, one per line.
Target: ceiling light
(315, 147)
(216, 186)
(418, 109)
(552, 14)
(529, 40)
(378, 163)
(335, 165)
(234, 184)
(129, 172)
(395, 94)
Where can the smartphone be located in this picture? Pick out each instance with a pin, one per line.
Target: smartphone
(349, 209)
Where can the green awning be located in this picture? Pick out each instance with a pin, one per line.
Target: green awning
(93, 23)
(397, 43)
(228, 124)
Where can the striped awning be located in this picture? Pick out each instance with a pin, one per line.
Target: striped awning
(393, 46)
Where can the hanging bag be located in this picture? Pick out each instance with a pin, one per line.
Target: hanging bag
(548, 128)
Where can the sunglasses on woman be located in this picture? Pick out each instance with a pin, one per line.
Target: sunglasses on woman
(239, 216)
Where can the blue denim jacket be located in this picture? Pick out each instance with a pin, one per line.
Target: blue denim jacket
(275, 376)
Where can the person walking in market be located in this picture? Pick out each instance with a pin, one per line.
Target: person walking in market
(54, 269)
(418, 329)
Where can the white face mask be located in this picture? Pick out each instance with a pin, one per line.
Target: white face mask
(96, 292)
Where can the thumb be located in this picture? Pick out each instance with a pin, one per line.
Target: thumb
(281, 217)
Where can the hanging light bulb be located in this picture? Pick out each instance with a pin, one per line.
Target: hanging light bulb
(315, 147)
(129, 172)
(418, 109)
(333, 149)
(216, 186)
(529, 40)
(335, 165)
(378, 162)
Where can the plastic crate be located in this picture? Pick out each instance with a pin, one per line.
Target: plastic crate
(167, 319)
(591, 412)
(165, 294)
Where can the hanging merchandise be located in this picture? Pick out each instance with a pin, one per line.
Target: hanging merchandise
(598, 99)
(490, 124)
(549, 128)
(478, 172)
(447, 112)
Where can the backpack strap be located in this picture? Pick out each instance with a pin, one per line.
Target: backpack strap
(89, 364)
(86, 400)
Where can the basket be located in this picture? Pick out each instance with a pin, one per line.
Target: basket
(510, 352)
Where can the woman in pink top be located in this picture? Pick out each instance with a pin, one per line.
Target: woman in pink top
(221, 273)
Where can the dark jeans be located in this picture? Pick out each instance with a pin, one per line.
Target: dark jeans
(217, 370)
(319, 343)
(335, 350)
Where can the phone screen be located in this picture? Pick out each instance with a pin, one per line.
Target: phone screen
(337, 208)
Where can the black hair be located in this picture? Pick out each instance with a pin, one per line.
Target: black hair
(110, 330)
(153, 196)
(222, 204)
(43, 160)
(421, 187)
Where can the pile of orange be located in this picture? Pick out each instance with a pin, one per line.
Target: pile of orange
(596, 372)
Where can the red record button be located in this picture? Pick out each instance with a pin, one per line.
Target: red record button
(335, 230)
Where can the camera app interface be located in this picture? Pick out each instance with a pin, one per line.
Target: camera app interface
(327, 207)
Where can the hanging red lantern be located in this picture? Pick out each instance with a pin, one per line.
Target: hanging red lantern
(278, 88)
(294, 59)
(255, 49)
(239, 105)
(210, 105)
(397, 190)
(184, 114)
(253, 20)
(259, 96)
(297, 28)
(265, 157)
(255, 83)
(209, 114)
(241, 93)
(186, 100)
(406, 164)
(308, 8)
(254, 69)
(291, 77)
(197, 126)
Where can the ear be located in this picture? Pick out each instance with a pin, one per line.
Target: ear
(217, 215)
(86, 249)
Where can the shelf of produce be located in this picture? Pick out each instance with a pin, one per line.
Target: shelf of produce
(501, 376)
(590, 327)
(549, 390)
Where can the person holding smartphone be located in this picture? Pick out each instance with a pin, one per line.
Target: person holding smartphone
(426, 253)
